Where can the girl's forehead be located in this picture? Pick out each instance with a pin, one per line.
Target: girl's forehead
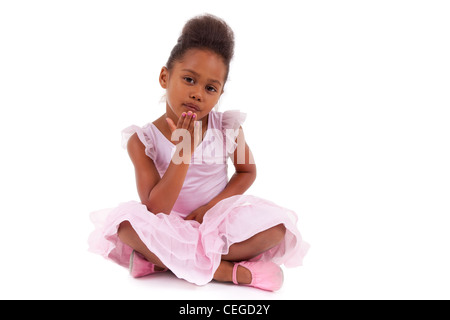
(203, 62)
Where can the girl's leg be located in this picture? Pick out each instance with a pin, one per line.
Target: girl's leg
(224, 273)
(246, 250)
(241, 251)
(128, 236)
(256, 245)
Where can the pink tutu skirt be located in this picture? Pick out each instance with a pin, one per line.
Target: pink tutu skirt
(192, 251)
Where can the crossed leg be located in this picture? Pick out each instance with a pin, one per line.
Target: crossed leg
(241, 251)
(128, 235)
(246, 250)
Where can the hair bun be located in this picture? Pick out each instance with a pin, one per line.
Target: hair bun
(207, 32)
(210, 32)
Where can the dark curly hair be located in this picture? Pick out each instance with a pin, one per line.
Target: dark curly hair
(205, 32)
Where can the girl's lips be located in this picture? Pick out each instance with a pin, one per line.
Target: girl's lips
(191, 107)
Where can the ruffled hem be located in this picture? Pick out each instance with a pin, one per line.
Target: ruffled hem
(143, 135)
(193, 251)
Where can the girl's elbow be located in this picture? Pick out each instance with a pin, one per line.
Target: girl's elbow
(253, 175)
(155, 208)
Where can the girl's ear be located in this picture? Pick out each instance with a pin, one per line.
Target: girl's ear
(164, 77)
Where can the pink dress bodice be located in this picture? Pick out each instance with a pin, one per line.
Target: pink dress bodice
(207, 175)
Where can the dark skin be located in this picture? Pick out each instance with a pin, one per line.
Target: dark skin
(193, 87)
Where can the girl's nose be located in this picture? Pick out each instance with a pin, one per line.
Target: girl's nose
(196, 97)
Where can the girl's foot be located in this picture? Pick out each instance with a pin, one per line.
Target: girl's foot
(140, 267)
(265, 275)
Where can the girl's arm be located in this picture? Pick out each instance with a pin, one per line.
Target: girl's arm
(241, 180)
(160, 193)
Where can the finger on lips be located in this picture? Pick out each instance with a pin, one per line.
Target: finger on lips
(186, 120)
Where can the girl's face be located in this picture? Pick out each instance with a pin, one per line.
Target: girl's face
(194, 84)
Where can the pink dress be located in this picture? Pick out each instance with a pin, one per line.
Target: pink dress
(192, 251)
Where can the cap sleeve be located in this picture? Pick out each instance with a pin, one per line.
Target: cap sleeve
(144, 134)
(231, 122)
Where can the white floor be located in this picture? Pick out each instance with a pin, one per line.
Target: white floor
(337, 267)
(88, 277)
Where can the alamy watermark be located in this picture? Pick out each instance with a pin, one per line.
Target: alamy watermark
(214, 148)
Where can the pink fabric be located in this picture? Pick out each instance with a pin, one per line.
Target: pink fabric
(192, 251)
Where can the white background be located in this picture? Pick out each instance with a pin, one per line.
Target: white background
(348, 117)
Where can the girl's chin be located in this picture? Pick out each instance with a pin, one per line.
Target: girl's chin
(172, 111)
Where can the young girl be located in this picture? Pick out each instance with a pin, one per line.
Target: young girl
(191, 219)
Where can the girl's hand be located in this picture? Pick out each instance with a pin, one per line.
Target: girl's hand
(197, 214)
(186, 129)
(185, 121)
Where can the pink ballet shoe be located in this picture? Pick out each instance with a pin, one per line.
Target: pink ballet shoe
(140, 267)
(266, 275)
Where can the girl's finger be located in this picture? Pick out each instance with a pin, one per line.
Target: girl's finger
(187, 120)
(181, 120)
(171, 124)
(191, 124)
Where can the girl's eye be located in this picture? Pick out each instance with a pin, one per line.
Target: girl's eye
(211, 89)
(189, 79)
